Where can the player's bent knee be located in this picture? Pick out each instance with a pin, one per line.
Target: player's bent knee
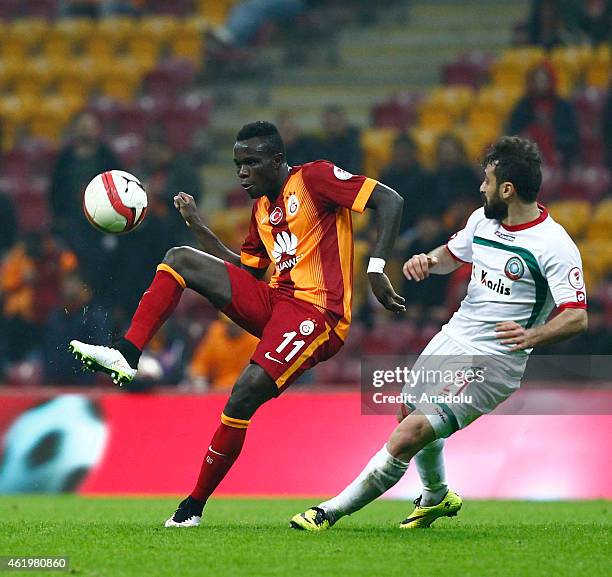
(253, 389)
(177, 257)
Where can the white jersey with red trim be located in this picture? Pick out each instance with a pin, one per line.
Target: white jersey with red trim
(519, 273)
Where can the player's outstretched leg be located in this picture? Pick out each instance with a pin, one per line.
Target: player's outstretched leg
(383, 471)
(182, 267)
(253, 388)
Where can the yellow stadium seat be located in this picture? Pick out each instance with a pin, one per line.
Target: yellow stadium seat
(74, 30)
(32, 31)
(33, 78)
(144, 50)
(125, 80)
(509, 75)
(603, 53)
(98, 48)
(476, 139)
(501, 98)
(484, 119)
(573, 215)
(377, 145)
(14, 49)
(160, 28)
(51, 116)
(601, 222)
(117, 30)
(215, 11)
(189, 42)
(573, 58)
(435, 118)
(8, 135)
(598, 74)
(455, 100)
(596, 260)
(426, 140)
(525, 56)
(16, 109)
(57, 48)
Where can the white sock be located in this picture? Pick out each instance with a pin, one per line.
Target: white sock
(430, 465)
(380, 474)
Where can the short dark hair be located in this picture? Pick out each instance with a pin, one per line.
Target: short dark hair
(516, 160)
(266, 131)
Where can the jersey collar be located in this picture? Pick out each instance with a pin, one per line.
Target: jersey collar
(524, 225)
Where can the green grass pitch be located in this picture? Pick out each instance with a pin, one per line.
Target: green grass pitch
(248, 537)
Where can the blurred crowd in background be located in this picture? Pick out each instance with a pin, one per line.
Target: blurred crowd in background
(60, 279)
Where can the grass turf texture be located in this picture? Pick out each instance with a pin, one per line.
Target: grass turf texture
(125, 537)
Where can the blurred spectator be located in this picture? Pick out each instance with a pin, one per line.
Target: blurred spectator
(607, 128)
(545, 24)
(8, 223)
(221, 356)
(248, 16)
(454, 179)
(30, 280)
(78, 162)
(590, 19)
(300, 148)
(75, 317)
(340, 142)
(407, 177)
(99, 8)
(424, 295)
(546, 118)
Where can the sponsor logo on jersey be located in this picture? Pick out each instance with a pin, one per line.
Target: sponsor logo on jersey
(276, 215)
(575, 278)
(498, 285)
(514, 268)
(307, 327)
(293, 205)
(285, 244)
(503, 235)
(342, 174)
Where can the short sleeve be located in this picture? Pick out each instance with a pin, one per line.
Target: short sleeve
(563, 271)
(460, 244)
(334, 186)
(253, 252)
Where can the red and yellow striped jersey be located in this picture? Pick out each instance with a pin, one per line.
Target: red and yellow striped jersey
(307, 233)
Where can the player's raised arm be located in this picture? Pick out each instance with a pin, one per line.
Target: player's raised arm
(388, 207)
(208, 241)
(438, 261)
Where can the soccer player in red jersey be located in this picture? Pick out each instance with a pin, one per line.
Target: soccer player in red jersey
(301, 222)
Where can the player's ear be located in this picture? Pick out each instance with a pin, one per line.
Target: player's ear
(506, 190)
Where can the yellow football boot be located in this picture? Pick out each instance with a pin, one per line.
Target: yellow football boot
(423, 517)
(314, 519)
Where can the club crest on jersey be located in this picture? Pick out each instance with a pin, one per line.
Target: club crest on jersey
(514, 268)
(276, 215)
(575, 278)
(293, 205)
(342, 174)
(307, 327)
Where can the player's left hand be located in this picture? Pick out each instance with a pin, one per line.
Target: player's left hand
(511, 333)
(185, 203)
(383, 291)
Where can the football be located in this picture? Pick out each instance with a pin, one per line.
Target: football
(115, 202)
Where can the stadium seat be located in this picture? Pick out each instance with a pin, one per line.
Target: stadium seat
(161, 28)
(31, 31)
(453, 100)
(471, 68)
(128, 147)
(434, 118)
(143, 50)
(74, 30)
(117, 30)
(32, 206)
(598, 74)
(17, 109)
(170, 77)
(125, 80)
(377, 146)
(475, 138)
(97, 48)
(51, 115)
(485, 120)
(573, 215)
(398, 112)
(601, 223)
(552, 181)
(189, 41)
(426, 140)
(30, 157)
(215, 11)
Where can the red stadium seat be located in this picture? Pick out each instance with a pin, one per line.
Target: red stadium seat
(32, 156)
(589, 182)
(472, 68)
(32, 205)
(129, 148)
(398, 112)
(170, 77)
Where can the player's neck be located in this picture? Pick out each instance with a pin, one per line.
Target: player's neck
(283, 174)
(521, 213)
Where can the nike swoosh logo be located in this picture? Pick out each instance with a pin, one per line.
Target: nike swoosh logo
(215, 452)
(411, 519)
(271, 358)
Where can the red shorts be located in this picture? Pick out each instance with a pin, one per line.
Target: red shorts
(294, 335)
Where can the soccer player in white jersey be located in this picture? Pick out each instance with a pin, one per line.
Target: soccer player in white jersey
(523, 265)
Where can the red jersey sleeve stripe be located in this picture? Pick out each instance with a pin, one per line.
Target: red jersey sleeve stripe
(572, 306)
(364, 194)
(455, 256)
(253, 261)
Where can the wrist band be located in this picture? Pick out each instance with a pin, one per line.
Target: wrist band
(376, 265)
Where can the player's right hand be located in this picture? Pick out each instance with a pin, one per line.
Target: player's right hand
(417, 266)
(383, 291)
(186, 205)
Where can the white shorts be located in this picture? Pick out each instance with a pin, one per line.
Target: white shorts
(461, 385)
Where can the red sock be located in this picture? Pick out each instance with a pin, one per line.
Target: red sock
(155, 306)
(223, 450)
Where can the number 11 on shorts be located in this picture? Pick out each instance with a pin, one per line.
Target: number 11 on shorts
(297, 345)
